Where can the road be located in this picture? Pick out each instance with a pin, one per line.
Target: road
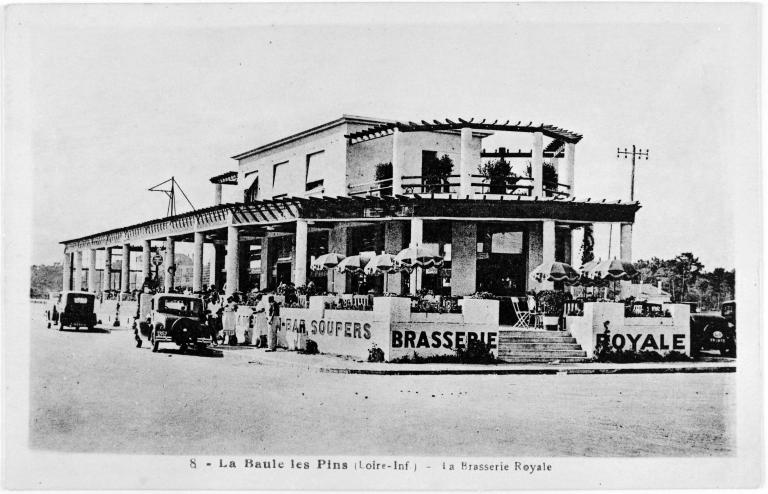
(96, 392)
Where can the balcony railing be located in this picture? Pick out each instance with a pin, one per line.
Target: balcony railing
(481, 185)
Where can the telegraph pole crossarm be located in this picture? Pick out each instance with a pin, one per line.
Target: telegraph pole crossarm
(635, 153)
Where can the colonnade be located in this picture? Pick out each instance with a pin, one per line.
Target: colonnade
(541, 249)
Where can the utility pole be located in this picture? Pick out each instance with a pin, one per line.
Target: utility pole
(171, 193)
(639, 153)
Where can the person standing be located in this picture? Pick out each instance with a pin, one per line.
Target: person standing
(273, 323)
(260, 321)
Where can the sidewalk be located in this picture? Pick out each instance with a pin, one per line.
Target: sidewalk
(344, 365)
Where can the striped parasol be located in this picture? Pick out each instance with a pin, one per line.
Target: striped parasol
(587, 275)
(354, 264)
(327, 261)
(555, 271)
(614, 269)
(383, 263)
(418, 257)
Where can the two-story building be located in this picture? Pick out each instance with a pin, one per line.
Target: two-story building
(359, 184)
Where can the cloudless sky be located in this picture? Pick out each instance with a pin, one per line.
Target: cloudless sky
(120, 98)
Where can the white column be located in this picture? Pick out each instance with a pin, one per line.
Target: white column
(106, 280)
(217, 196)
(146, 260)
(233, 260)
(548, 241)
(417, 236)
(397, 162)
(537, 164)
(197, 263)
(77, 284)
(300, 264)
(625, 248)
(170, 256)
(265, 267)
(92, 270)
(463, 258)
(547, 247)
(577, 236)
(125, 274)
(66, 272)
(465, 163)
(566, 176)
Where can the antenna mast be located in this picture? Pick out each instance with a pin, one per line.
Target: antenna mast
(170, 190)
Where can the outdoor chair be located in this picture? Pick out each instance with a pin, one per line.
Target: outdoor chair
(538, 316)
(523, 314)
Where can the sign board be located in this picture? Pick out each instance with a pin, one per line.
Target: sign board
(157, 259)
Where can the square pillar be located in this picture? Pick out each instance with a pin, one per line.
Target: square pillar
(577, 236)
(125, 275)
(77, 284)
(170, 263)
(625, 247)
(233, 260)
(548, 239)
(463, 258)
(465, 163)
(107, 279)
(394, 242)
(197, 262)
(337, 242)
(66, 272)
(535, 252)
(217, 194)
(397, 162)
(300, 259)
(537, 164)
(417, 236)
(146, 260)
(566, 175)
(265, 267)
(92, 270)
(217, 275)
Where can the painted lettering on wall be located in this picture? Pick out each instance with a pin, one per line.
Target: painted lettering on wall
(638, 342)
(328, 327)
(437, 339)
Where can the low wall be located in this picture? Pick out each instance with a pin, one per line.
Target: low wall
(659, 334)
(390, 326)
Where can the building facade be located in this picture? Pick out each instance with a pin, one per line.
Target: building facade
(359, 184)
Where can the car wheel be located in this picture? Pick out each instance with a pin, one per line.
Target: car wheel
(183, 348)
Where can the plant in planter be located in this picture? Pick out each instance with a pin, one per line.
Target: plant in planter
(499, 175)
(549, 175)
(383, 175)
(551, 303)
(436, 174)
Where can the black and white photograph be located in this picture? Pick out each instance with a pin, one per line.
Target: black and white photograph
(399, 246)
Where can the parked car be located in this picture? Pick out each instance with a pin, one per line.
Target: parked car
(73, 309)
(172, 318)
(715, 331)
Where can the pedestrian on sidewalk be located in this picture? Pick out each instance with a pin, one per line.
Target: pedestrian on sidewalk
(273, 323)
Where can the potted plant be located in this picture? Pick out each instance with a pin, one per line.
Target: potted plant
(499, 175)
(436, 174)
(550, 303)
(383, 177)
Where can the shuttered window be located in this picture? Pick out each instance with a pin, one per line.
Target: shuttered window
(281, 180)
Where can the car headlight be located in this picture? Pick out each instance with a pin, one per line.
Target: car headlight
(717, 334)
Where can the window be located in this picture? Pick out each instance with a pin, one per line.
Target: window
(281, 180)
(315, 170)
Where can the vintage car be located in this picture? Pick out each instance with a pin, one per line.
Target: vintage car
(172, 318)
(715, 331)
(73, 309)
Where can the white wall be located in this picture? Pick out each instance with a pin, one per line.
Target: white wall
(332, 141)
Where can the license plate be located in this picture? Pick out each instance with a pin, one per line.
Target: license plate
(717, 340)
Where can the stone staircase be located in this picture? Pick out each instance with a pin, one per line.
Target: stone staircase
(538, 346)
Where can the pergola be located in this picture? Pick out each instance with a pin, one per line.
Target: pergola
(381, 130)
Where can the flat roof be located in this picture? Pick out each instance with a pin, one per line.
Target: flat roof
(314, 130)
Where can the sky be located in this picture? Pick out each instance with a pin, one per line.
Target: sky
(107, 101)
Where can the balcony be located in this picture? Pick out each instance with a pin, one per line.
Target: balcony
(480, 186)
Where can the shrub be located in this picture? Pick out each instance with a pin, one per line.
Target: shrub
(383, 171)
(483, 295)
(499, 174)
(476, 352)
(311, 348)
(551, 302)
(375, 354)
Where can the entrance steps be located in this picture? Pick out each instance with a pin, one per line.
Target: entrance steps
(540, 346)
